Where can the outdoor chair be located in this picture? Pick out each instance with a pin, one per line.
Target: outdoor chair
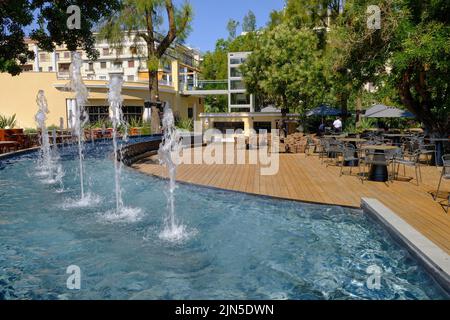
(348, 154)
(445, 175)
(310, 144)
(334, 149)
(408, 161)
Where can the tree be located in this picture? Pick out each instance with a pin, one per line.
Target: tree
(249, 22)
(286, 67)
(411, 51)
(142, 20)
(14, 16)
(52, 28)
(232, 29)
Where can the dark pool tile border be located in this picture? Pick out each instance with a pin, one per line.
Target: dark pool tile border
(435, 260)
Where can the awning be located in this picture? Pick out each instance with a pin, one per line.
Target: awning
(324, 111)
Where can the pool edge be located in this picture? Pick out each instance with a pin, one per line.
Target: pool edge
(435, 260)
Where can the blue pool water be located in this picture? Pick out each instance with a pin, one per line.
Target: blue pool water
(240, 246)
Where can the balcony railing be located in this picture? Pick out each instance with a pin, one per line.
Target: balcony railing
(191, 85)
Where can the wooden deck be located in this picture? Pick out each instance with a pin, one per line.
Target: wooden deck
(306, 179)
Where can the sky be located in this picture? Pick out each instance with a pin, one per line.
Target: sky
(211, 18)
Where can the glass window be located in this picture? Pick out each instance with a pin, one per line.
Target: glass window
(237, 85)
(190, 113)
(240, 99)
(66, 54)
(105, 51)
(50, 69)
(130, 78)
(103, 65)
(235, 72)
(131, 64)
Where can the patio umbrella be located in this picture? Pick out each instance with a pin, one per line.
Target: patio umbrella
(382, 111)
(323, 111)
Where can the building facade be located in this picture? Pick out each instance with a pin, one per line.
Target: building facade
(49, 71)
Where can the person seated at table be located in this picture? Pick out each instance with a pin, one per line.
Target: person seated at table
(321, 130)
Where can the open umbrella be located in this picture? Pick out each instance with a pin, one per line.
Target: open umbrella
(323, 111)
(382, 111)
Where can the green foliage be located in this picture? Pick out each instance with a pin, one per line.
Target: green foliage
(50, 30)
(30, 130)
(135, 122)
(143, 22)
(7, 122)
(286, 67)
(232, 29)
(185, 124)
(249, 22)
(146, 128)
(52, 126)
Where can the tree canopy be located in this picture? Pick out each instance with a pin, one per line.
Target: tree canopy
(50, 29)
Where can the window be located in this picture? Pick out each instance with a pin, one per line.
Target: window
(237, 60)
(105, 51)
(66, 54)
(97, 113)
(240, 99)
(237, 85)
(264, 126)
(190, 113)
(130, 78)
(117, 64)
(132, 112)
(57, 56)
(50, 69)
(102, 77)
(64, 67)
(131, 64)
(43, 57)
(27, 67)
(235, 72)
(40, 69)
(119, 51)
(103, 65)
(91, 66)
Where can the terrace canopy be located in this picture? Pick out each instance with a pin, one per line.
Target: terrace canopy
(382, 111)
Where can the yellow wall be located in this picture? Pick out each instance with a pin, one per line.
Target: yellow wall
(18, 96)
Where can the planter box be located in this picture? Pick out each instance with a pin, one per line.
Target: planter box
(6, 134)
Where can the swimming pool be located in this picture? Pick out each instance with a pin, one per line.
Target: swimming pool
(239, 246)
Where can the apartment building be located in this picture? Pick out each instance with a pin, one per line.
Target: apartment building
(49, 71)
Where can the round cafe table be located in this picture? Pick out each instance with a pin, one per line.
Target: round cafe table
(379, 171)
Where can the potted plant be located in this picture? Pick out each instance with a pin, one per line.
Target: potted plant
(135, 127)
(7, 125)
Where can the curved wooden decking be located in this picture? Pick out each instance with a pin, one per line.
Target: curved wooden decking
(306, 179)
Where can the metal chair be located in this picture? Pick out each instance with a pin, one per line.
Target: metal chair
(310, 144)
(373, 157)
(410, 161)
(348, 154)
(445, 175)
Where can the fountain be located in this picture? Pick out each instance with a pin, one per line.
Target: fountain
(80, 116)
(48, 161)
(170, 148)
(115, 112)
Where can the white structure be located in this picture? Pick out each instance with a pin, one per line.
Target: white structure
(238, 98)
